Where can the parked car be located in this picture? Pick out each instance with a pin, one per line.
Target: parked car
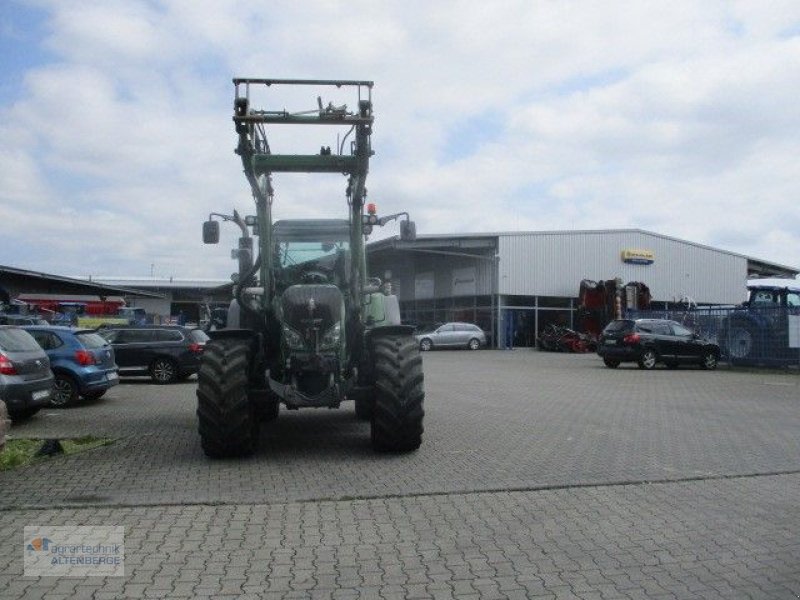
(26, 381)
(452, 335)
(650, 341)
(168, 353)
(82, 363)
(21, 320)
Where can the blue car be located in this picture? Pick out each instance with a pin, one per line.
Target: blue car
(81, 360)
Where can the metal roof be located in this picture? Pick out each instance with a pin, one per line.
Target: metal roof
(163, 283)
(392, 242)
(100, 288)
(793, 285)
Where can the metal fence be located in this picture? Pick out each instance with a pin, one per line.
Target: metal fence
(752, 336)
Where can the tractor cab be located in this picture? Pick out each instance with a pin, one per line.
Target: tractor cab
(311, 252)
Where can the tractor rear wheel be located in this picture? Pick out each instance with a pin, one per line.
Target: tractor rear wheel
(228, 422)
(398, 409)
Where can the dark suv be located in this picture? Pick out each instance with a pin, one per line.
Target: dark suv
(650, 341)
(166, 353)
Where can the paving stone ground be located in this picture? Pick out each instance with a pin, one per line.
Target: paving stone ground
(317, 514)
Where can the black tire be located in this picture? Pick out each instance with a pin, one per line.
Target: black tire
(611, 363)
(227, 421)
(22, 414)
(648, 359)
(399, 394)
(425, 344)
(364, 409)
(92, 396)
(164, 371)
(709, 361)
(65, 391)
(474, 344)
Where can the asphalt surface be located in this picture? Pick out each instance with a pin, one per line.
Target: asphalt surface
(539, 475)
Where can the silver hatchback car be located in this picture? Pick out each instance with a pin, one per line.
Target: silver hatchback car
(452, 335)
(26, 381)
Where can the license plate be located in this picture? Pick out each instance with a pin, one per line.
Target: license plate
(610, 342)
(112, 376)
(40, 394)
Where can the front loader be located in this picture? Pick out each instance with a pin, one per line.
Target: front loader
(307, 327)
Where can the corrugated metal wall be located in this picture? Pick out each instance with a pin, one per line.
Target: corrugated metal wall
(405, 266)
(553, 264)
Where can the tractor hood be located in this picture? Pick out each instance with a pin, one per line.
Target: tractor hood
(312, 310)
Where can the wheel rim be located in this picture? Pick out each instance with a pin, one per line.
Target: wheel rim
(62, 392)
(474, 344)
(649, 360)
(710, 361)
(740, 343)
(425, 345)
(163, 370)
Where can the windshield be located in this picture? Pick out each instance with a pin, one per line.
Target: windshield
(91, 340)
(311, 262)
(199, 336)
(17, 340)
(619, 325)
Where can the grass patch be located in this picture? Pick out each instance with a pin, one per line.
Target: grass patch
(21, 452)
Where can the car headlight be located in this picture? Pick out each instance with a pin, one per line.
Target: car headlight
(293, 339)
(331, 338)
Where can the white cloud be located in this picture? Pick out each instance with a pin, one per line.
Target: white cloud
(679, 118)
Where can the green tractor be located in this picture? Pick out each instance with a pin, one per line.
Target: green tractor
(307, 327)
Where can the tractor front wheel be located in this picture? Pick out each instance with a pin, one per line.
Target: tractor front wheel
(398, 411)
(228, 422)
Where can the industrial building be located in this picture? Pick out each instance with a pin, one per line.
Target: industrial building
(515, 283)
(173, 297)
(512, 284)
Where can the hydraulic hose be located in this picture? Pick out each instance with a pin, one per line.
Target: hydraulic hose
(239, 290)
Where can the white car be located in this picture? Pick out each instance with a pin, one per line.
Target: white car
(452, 335)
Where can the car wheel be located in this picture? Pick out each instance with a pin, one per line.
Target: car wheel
(425, 345)
(91, 396)
(163, 371)
(611, 363)
(648, 360)
(709, 361)
(65, 391)
(474, 344)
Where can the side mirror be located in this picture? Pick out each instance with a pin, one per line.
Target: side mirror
(211, 232)
(408, 231)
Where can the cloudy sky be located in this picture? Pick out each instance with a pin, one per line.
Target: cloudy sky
(676, 117)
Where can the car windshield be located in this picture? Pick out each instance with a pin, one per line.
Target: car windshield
(91, 340)
(617, 326)
(17, 340)
(311, 262)
(199, 336)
